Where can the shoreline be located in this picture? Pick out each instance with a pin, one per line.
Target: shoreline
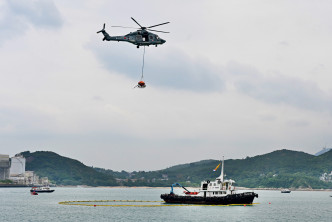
(279, 189)
(193, 188)
(167, 187)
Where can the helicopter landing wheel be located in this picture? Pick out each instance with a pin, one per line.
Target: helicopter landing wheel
(156, 45)
(138, 46)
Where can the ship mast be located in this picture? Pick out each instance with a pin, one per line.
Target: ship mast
(221, 177)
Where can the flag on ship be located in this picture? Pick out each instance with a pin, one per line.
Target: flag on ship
(217, 167)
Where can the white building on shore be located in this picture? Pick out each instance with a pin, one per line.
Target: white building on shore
(4, 167)
(17, 165)
(14, 170)
(327, 177)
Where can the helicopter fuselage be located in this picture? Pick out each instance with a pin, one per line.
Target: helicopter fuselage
(139, 38)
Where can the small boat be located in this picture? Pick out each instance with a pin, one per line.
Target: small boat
(34, 193)
(46, 189)
(285, 191)
(218, 192)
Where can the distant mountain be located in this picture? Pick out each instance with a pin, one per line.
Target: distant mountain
(324, 150)
(281, 168)
(65, 171)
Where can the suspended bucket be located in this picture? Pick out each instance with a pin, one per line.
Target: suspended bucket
(141, 84)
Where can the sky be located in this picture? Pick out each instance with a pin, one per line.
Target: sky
(234, 78)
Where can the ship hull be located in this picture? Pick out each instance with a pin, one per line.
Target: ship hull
(42, 191)
(241, 198)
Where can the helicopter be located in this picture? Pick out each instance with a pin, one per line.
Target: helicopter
(141, 37)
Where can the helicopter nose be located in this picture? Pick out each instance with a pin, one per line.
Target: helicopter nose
(163, 41)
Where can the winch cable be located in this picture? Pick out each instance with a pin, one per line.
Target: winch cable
(143, 64)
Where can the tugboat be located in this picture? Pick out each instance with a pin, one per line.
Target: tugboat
(46, 189)
(218, 192)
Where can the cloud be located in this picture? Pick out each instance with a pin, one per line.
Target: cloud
(298, 123)
(169, 68)
(79, 98)
(174, 69)
(23, 119)
(284, 43)
(279, 89)
(18, 15)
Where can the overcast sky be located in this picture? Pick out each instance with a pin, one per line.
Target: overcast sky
(235, 78)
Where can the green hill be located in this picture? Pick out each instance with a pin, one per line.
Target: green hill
(282, 168)
(65, 171)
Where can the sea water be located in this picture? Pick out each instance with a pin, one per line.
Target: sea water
(17, 204)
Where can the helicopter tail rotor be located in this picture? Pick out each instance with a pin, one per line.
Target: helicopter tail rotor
(102, 29)
(106, 35)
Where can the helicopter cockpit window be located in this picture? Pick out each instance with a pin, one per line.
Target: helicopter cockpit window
(157, 37)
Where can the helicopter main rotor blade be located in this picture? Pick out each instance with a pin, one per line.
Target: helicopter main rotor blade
(158, 24)
(157, 31)
(136, 22)
(118, 26)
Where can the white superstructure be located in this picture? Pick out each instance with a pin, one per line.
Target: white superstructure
(219, 187)
(216, 188)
